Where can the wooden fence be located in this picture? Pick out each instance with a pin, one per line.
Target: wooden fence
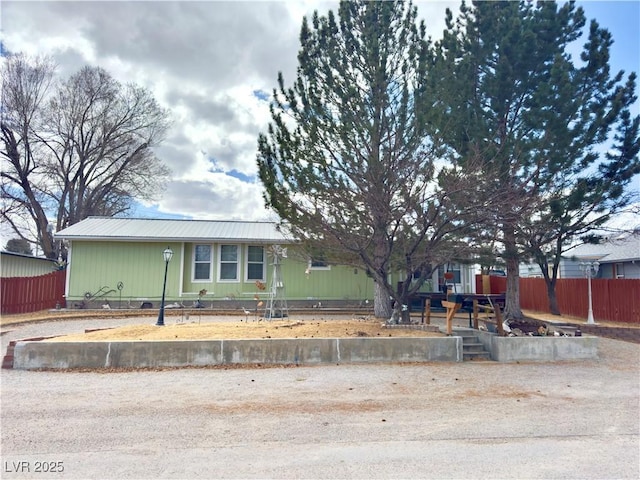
(613, 299)
(616, 300)
(31, 294)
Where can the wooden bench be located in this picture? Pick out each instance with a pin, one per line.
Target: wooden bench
(472, 303)
(494, 308)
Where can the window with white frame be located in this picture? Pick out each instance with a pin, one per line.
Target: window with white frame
(255, 263)
(453, 271)
(228, 263)
(318, 263)
(202, 263)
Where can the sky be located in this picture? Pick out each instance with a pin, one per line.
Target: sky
(213, 64)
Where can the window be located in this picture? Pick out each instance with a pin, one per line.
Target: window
(255, 263)
(449, 274)
(202, 263)
(228, 263)
(319, 263)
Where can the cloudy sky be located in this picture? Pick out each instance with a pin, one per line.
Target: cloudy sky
(213, 65)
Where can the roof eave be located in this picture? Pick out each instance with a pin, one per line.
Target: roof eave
(171, 239)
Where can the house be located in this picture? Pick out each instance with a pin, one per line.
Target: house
(618, 257)
(225, 264)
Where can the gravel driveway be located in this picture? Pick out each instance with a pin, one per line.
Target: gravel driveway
(469, 420)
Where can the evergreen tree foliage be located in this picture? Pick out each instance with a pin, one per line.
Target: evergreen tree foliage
(18, 245)
(534, 119)
(348, 161)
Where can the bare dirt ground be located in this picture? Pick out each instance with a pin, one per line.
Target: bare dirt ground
(53, 315)
(218, 325)
(248, 329)
(240, 326)
(568, 419)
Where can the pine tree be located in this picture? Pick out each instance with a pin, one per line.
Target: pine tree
(533, 118)
(348, 159)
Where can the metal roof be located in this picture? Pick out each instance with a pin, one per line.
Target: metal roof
(149, 229)
(23, 255)
(623, 249)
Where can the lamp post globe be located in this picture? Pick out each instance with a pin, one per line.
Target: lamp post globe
(166, 254)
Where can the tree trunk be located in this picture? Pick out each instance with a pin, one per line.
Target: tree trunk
(381, 302)
(512, 309)
(553, 299)
(550, 280)
(512, 300)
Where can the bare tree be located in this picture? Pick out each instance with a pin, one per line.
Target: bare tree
(25, 85)
(84, 149)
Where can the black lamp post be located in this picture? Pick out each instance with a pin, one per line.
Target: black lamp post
(167, 254)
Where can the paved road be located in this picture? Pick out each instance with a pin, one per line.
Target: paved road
(472, 420)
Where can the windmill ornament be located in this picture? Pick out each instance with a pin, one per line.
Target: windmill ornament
(277, 302)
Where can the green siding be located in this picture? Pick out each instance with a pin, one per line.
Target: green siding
(140, 267)
(96, 265)
(337, 283)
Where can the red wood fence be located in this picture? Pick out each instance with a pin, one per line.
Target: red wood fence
(616, 300)
(31, 294)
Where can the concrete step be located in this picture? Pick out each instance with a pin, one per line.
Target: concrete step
(470, 340)
(472, 349)
(476, 356)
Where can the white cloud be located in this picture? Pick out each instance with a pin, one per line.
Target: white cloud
(216, 196)
(203, 60)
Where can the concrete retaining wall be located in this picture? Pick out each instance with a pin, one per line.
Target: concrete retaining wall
(312, 351)
(33, 355)
(539, 349)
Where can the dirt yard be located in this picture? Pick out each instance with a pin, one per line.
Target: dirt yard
(248, 329)
(218, 325)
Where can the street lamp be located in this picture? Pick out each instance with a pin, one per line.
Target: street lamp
(589, 267)
(167, 254)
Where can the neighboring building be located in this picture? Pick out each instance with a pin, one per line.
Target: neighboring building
(120, 260)
(619, 257)
(531, 270)
(21, 265)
